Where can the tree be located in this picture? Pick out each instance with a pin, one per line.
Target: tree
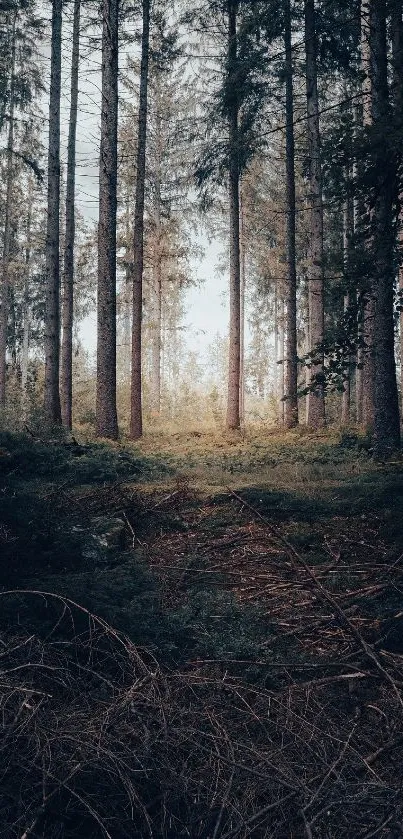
(7, 226)
(232, 106)
(52, 314)
(386, 416)
(366, 294)
(397, 98)
(106, 413)
(136, 419)
(68, 275)
(291, 359)
(316, 402)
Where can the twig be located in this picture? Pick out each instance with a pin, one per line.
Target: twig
(292, 552)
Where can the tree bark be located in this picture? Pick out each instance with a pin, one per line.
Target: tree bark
(5, 281)
(26, 313)
(291, 359)
(52, 308)
(386, 418)
(136, 418)
(234, 365)
(397, 92)
(316, 401)
(156, 331)
(66, 373)
(106, 414)
(367, 299)
(242, 257)
(348, 231)
(281, 345)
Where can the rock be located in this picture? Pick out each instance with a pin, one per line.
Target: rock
(109, 532)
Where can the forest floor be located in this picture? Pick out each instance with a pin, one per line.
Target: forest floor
(255, 585)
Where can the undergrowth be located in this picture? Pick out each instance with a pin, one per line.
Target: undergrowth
(224, 687)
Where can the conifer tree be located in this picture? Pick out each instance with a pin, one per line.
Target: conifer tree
(52, 312)
(106, 413)
(316, 401)
(136, 417)
(7, 220)
(386, 414)
(66, 373)
(291, 358)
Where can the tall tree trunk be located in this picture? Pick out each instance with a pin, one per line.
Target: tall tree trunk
(106, 414)
(66, 373)
(242, 256)
(397, 61)
(127, 299)
(281, 346)
(275, 366)
(156, 344)
(386, 419)
(136, 417)
(234, 366)
(26, 311)
(367, 298)
(291, 359)
(348, 231)
(357, 212)
(156, 331)
(316, 401)
(52, 309)
(4, 289)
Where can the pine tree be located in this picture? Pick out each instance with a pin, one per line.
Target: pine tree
(291, 357)
(52, 314)
(386, 416)
(136, 418)
(66, 374)
(316, 402)
(7, 220)
(106, 413)
(232, 105)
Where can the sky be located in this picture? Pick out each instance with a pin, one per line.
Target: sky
(206, 302)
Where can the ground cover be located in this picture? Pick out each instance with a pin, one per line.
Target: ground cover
(243, 673)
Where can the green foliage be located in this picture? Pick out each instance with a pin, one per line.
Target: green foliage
(92, 463)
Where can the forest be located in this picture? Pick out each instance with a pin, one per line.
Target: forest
(201, 399)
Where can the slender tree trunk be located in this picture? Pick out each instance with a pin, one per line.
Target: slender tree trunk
(346, 398)
(316, 401)
(156, 346)
(5, 281)
(291, 359)
(397, 61)
(348, 231)
(52, 309)
(66, 373)
(107, 424)
(136, 418)
(156, 332)
(367, 298)
(127, 301)
(234, 366)
(26, 313)
(275, 366)
(281, 346)
(242, 255)
(386, 419)
(356, 227)
(401, 329)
